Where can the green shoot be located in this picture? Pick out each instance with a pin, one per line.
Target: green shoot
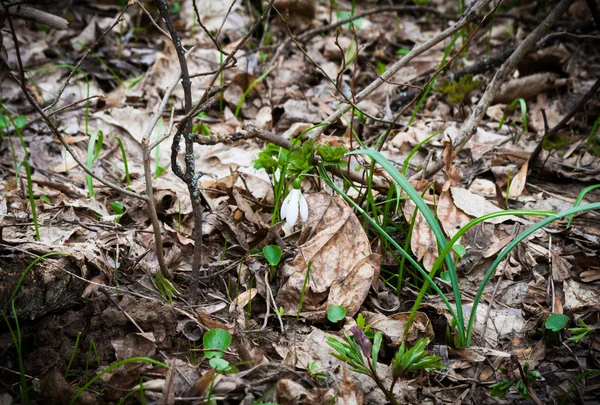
(302, 293)
(124, 157)
(249, 89)
(93, 151)
(30, 195)
(112, 367)
(73, 353)
(509, 110)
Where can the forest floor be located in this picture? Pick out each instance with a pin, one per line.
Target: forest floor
(180, 222)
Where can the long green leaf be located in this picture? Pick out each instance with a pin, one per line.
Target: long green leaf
(325, 177)
(431, 220)
(509, 247)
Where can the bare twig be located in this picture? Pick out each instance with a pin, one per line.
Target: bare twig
(74, 103)
(472, 15)
(32, 14)
(184, 129)
(564, 121)
(87, 52)
(146, 150)
(470, 127)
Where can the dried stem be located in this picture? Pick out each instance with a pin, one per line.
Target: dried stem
(184, 130)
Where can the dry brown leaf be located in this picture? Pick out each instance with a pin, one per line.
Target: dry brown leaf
(451, 218)
(477, 206)
(422, 242)
(393, 326)
(517, 184)
(343, 265)
(561, 268)
(348, 392)
(580, 296)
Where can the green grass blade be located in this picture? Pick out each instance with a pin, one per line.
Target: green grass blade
(431, 220)
(93, 151)
(124, 156)
(510, 246)
(438, 263)
(112, 367)
(323, 174)
(30, 194)
(249, 89)
(580, 198)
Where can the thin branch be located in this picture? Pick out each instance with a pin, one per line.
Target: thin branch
(62, 140)
(74, 103)
(87, 52)
(507, 68)
(32, 14)
(473, 14)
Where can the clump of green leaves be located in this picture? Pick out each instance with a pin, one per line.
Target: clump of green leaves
(355, 348)
(500, 389)
(579, 333)
(456, 92)
(593, 142)
(271, 158)
(555, 141)
(332, 156)
(165, 287)
(414, 359)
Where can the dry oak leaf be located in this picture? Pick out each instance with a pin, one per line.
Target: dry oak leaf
(343, 265)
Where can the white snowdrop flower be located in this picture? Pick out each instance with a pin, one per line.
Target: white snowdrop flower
(294, 203)
(277, 175)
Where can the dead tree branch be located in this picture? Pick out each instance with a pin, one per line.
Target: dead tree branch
(492, 90)
(184, 130)
(471, 15)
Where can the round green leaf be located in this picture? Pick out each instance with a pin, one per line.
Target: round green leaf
(459, 250)
(556, 322)
(20, 121)
(219, 364)
(272, 254)
(216, 339)
(336, 313)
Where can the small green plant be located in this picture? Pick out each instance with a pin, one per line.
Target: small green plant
(414, 359)
(500, 389)
(165, 287)
(381, 67)
(93, 151)
(285, 166)
(455, 92)
(354, 349)
(30, 196)
(510, 109)
(555, 141)
(216, 342)
(580, 332)
(336, 313)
